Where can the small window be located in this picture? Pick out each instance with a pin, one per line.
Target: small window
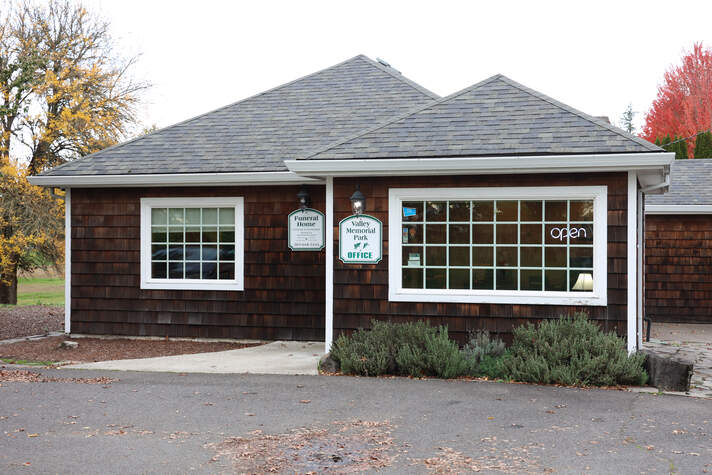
(193, 243)
(499, 245)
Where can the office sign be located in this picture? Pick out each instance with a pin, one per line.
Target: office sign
(306, 230)
(360, 240)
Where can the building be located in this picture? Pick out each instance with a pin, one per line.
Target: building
(487, 208)
(678, 247)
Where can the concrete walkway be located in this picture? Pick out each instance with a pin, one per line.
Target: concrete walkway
(279, 357)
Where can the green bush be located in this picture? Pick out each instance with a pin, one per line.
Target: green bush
(414, 349)
(482, 353)
(571, 351)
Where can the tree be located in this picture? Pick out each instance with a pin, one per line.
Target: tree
(626, 120)
(684, 102)
(677, 145)
(64, 93)
(703, 145)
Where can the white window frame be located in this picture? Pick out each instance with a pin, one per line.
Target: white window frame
(598, 297)
(147, 282)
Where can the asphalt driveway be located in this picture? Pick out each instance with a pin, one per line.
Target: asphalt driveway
(167, 423)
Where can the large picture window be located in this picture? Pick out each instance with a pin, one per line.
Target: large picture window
(193, 243)
(499, 245)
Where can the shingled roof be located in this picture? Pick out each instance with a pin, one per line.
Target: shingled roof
(494, 117)
(690, 184)
(258, 133)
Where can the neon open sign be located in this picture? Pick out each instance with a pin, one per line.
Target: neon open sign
(563, 233)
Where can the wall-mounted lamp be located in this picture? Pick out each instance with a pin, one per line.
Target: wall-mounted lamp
(584, 282)
(303, 198)
(358, 201)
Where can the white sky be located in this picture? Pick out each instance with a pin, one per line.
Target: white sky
(596, 56)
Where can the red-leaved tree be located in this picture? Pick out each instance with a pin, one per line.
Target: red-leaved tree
(684, 103)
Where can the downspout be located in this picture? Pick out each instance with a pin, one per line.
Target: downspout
(68, 261)
(329, 271)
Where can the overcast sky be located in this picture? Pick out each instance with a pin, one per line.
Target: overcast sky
(597, 56)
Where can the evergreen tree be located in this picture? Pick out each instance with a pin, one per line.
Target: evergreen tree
(680, 148)
(703, 145)
(626, 120)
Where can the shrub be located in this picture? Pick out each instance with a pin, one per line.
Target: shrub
(482, 353)
(412, 348)
(572, 351)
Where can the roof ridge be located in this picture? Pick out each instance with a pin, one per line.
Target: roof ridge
(399, 76)
(581, 114)
(397, 118)
(190, 119)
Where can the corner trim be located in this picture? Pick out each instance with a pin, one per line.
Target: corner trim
(678, 209)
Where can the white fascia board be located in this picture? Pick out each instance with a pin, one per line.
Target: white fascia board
(482, 165)
(678, 209)
(173, 179)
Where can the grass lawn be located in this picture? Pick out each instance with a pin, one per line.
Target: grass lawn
(40, 291)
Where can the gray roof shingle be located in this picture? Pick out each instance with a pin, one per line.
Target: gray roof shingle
(258, 133)
(494, 117)
(690, 184)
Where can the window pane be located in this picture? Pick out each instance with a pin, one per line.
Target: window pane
(555, 280)
(175, 253)
(483, 279)
(530, 256)
(555, 256)
(192, 253)
(530, 233)
(227, 216)
(192, 216)
(210, 270)
(192, 270)
(435, 211)
(175, 234)
(434, 278)
(482, 233)
(159, 252)
(412, 211)
(210, 216)
(506, 279)
(159, 216)
(227, 270)
(175, 270)
(158, 270)
(435, 256)
(483, 211)
(460, 211)
(506, 257)
(192, 234)
(210, 235)
(459, 234)
(412, 278)
(581, 210)
(210, 253)
(530, 280)
(581, 234)
(159, 234)
(556, 233)
(175, 216)
(412, 256)
(459, 256)
(581, 280)
(531, 211)
(555, 211)
(413, 234)
(459, 279)
(435, 234)
(482, 256)
(227, 252)
(581, 257)
(507, 211)
(506, 234)
(227, 234)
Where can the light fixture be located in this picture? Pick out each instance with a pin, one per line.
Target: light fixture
(303, 198)
(584, 282)
(358, 201)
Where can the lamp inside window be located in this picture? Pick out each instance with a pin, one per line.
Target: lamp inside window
(584, 282)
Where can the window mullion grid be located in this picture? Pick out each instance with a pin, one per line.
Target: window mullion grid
(494, 244)
(568, 246)
(447, 244)
(425, 242)
(519, 244)
(470, 247)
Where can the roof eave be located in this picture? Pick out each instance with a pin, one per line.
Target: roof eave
(678, 209)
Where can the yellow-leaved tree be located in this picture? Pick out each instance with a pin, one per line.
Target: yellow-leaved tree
(64, 93)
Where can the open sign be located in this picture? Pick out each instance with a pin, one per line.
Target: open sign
(563, 233)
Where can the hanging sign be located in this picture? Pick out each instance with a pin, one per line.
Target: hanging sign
(360, 240)
(306, 230)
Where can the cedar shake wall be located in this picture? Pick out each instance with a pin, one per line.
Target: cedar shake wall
(678, 268)
(284, 290)
(361, 291)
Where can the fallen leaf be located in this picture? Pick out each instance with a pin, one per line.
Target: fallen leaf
(305, 401)
(33, 435)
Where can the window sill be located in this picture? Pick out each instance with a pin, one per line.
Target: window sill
(495, 297)
(157, 284)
